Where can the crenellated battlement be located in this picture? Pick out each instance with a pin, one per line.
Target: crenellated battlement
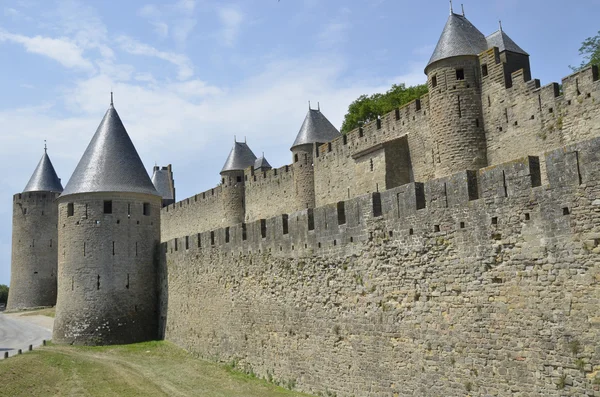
(334, 228)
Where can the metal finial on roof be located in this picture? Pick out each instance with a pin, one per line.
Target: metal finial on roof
(319, 106)
(500, 23)
(308, 105)
(451, 8)
(245, 139)
(234, 139)
(45, 147)
(463, 9)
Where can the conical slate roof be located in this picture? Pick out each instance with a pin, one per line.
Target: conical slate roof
(459, 37)
(262, 163)
(163, 182)
(44, 178)
(110, 163)
(504, 43)
(240, 158)
(315, 129)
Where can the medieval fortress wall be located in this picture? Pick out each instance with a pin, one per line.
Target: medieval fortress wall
(412, 274)
(449, 247)
(484, 281)
(523, 119)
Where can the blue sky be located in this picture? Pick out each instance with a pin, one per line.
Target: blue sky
(188, 75)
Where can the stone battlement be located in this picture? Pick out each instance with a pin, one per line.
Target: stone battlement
(329, 229)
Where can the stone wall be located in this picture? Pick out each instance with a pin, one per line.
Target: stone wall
(204, 211)
(269, 193)
(528, 119)
(34, 251)
(481, 283)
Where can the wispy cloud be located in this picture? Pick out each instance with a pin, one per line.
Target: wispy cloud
(62, 50)
(231, 19)
(335, 31)
(132, 46)
(171, 20)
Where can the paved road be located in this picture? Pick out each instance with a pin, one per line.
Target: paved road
(19, 332)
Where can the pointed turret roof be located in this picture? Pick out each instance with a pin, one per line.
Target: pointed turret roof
(110, 163)
(315, 129)
(239, 158)
(262, 163)
(459, 37)
(504, 43)
(44, 178)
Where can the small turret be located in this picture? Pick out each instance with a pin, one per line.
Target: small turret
(261, 164)
(162, 179)
(35, 240)
(109, 234)
(233, 183)
(315, 130)
(511, 55)
(453, 75)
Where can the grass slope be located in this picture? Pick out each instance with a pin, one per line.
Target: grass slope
(144, 369)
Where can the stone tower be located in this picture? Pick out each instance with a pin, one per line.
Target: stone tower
(162, 179)
(35, 240)
(454, 80)
(315, 130)
(109, 235)
(233, 183)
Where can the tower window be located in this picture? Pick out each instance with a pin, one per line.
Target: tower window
(434, 81)
(460, 74)
(70, 209)
(484, 69)
(146, 209)
(108, 206)
(239, 179)
(371, 164)
(295, 158)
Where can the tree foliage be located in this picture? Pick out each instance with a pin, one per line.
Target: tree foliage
(3, 293)
(590, 50)
(367, 108)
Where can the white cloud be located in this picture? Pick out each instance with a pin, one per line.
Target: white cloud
(149, 11)
(182, 29)
(186, 5)
(231, 19)
(185, 67)
(414, 76)
(62, 50)
(161, 28)
(335, 32)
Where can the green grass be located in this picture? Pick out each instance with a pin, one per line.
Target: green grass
(50, 312)
(143, 369)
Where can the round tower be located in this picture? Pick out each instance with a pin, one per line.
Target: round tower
(35, 240)
(233, 183)
(109, 236)
(454, 81)
(316, 129)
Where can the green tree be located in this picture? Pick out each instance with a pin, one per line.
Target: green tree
(3, 293)
(367, 108)
(590, 50)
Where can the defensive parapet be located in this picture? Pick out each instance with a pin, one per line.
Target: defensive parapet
(34, 250)
(569, 166)
(416, 271)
